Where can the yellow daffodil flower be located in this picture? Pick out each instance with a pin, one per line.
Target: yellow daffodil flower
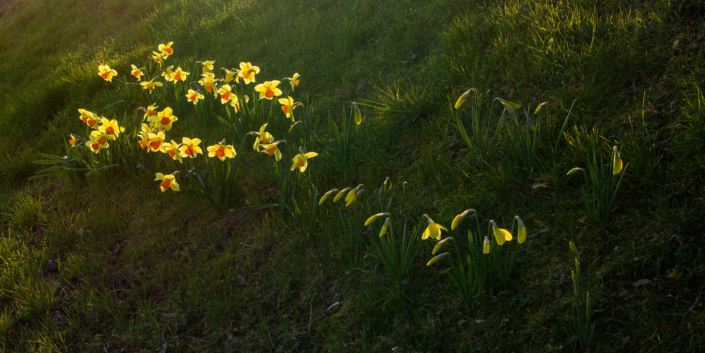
(288, 106)
(293, 80)
(168, 74)
(326, 196)
(150, 112)
(221, 151)
(98, 140)
(375, 217)
(164, 119)
(464, 97)
(272, 150)
(136, 72)
(207, 65)
(247, 72)
(433, 230)
(207, 81)
(521, 232)
(616, 161)
(156, 141)
(106, 72)
(230, 75)
(500, 234)
(110, 128)
(341, 194)
(73, 140)
(144, 136)
(88, 117)
(179, 75)
(459, 218)
(190, 148)
(157, 58)
(263, 138)
(437, 258)
(268, 89)
(301, 161)
(167, 182)
(149, 85)
(172, 149)
(486, 246)
(440, 244)
(235, 103)
(193, 96)
(166, 50)
(385, 226)
(226, 93)
(354, 198)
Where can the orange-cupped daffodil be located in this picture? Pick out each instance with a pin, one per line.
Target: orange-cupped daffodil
(263, 138)
(144, 136)
(136, 72)
(73, 140)
(106, 72)
(166, 50)
(268, 89)
(500, 234)
(150, 112)
(164, 119)
(190, 148)
(326, 196)
(156, 141)
(110, 128)
(168, 74)
(149, 85)
(301, 160)
(207, 82)
(230, 75)
(272, 150)
(97, 141)
(293, 80)
(207, 65)
(179, 75)
(459, 218)
(221, 151)
(167, 182)
(288, 106)
(158, 58)
(89, 118)
(247, 72)
(193, 96)
(172, 149)
(226, 93)
(433, 229)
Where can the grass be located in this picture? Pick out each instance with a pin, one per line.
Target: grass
(111, 263)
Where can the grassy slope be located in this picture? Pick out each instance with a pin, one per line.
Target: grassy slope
(123, 266)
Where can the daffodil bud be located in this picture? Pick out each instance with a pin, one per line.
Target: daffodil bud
(574, 170)
(374, 218)
(573, 249)
(486, 246)
(326, 195)
(352, 192)
(616, 161)
(440, 244)
(538, 109)
(459, 218)
(384, 185)
(575, 282)
(384, 228)
(464, 97)
(437, 258)
(340, 194)
(358, 114)
(521, 232)
(577, 264)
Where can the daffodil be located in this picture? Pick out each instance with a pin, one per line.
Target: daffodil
(354, 198)
(97, 141)
(464, 97)
(149, 85)
(263, 138)
(500, 234)
(301, 160)
(88, 117)
(221, 151)
(157, 58)
(190, 148)
(193, 96)
(73, 140)
(168, 74)
(235, 103)
(207, 65)
(110, 128)
(288, 106)
(179, 75)
(521, 232)
(172, 149)
(437, 258)
(164, 119)
(156, 141)
(268, 89)
(293, 80)
(226, 93)
(272, 150)
(486, 246)
(247, 72)
(136, 72)
(385, 226)
(167, 182)
(150, 111)
(459, 218)
(375, 217)
(358, 114)
(616, 161)
(230, 75)
(326, 196)
(433, 229)
(166, 50)
(340, 194)
(207, 81)
(106, 72)
(144, 136)
(440, 244)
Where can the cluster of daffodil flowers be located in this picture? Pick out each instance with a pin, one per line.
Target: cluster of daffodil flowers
(104, 131)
